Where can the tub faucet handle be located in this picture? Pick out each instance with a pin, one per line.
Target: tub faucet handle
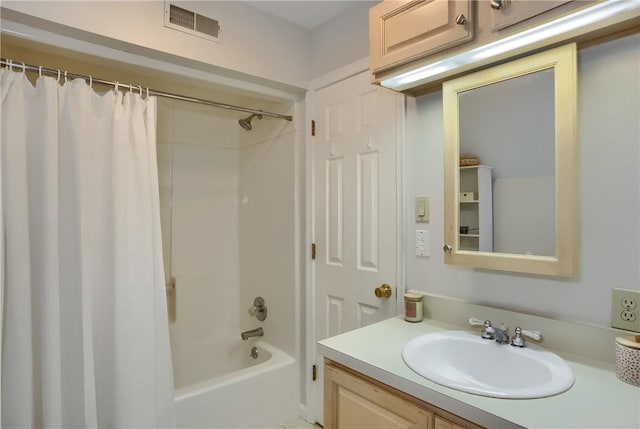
(258, 309)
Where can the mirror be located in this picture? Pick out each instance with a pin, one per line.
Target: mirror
(510, 166)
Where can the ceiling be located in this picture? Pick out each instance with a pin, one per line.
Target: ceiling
(306, 13)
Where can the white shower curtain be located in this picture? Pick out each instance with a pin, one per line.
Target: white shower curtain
(85, 339)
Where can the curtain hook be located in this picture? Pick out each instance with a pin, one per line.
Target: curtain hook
(130, 87)
(140, 89)
(40, 71)
(147, 92)
(90, 81)
(24, 68)
(65, 76)
(116, 86)
(10, 65)
(58, 75)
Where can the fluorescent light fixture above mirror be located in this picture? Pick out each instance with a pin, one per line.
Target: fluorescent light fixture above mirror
(511, 45)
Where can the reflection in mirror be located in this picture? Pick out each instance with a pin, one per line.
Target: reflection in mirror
(509, 125)
(511, 195)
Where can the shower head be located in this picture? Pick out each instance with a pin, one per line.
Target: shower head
(246, 122)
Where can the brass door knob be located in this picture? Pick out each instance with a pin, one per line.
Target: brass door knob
(383, 291)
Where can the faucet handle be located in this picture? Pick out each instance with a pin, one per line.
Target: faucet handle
(258, 309)
(478, 322)
(488, 333)
(534, 335)
(518, 341)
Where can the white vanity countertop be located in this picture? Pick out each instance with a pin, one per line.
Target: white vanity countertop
(596, 400)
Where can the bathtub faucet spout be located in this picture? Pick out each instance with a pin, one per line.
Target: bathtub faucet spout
(252, 333)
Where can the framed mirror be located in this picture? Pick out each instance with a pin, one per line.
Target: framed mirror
(511, 194)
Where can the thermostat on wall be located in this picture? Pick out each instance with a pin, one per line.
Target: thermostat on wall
(466, 197)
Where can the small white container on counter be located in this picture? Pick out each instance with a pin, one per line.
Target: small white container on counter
(628, 359)
(413, 311)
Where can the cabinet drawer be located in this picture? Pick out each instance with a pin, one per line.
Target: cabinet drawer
(401, 31)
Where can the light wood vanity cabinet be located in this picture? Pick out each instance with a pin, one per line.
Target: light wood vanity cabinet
(402, 30)
(445, 424)
(353, 400)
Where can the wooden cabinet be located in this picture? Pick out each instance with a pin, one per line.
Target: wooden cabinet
(445, 424)
(401, 30)
(476, 208)
(352, 400)
(505, 13)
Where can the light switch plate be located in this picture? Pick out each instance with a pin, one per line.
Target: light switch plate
(625, 309)
(422, 208)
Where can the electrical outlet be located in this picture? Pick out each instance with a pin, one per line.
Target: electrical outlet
(625, 313)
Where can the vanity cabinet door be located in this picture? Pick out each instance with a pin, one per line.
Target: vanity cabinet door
(401, 31)
(445, 424)
(352, 402)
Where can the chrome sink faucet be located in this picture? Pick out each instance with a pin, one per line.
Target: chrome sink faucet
(500, 334)
(490, 332)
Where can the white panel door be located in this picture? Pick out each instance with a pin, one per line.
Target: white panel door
(355, 153)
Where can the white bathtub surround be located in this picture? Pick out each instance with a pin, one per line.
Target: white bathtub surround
(85, 342)
(227, 200)
(300, 424)
(213, 359)
(262, 395)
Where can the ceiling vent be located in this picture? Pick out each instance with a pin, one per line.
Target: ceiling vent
(190, 22)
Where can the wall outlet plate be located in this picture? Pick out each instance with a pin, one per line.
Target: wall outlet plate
(625, 309)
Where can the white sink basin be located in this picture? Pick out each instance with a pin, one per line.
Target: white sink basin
(465, 361)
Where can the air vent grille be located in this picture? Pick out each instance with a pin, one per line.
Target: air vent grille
(191, 22)
(207, 25)
(182, 17)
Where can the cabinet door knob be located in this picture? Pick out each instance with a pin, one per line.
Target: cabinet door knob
(383, 291)
(461, 19)
(447, 248)
(496, 4)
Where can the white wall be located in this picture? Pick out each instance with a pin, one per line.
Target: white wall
(254, 46)
(609, 155)
(341, 40)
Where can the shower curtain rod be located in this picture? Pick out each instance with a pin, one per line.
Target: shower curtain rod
(116, 85)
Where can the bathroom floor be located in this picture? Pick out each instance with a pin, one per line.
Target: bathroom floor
(300, 424)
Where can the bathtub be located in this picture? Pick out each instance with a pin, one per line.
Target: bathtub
(222, 386)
